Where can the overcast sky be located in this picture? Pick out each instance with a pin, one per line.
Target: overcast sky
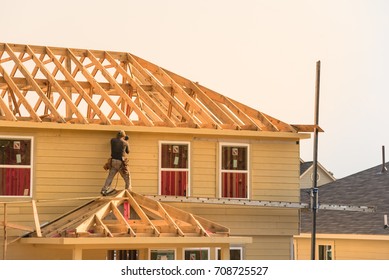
(262, 53)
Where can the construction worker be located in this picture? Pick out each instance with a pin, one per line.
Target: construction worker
(118, 163)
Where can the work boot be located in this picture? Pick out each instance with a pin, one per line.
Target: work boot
(109, 191)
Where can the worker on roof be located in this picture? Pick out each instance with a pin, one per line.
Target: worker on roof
(117, 163)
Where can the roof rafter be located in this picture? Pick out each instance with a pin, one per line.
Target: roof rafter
(99, 89)
(53, 84)
(19, 94)
(119, 89)
(33, 83)
(76, 85)
(141, 92)
(53, 81)
(172, 102)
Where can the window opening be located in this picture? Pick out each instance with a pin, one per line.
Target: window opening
(234, 171)
(174, 169)
(196, 254)
(235, 253)
(325, 252)
(162, 254)
(15, 166)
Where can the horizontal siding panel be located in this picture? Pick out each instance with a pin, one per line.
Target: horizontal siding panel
(203, 192)
(276, 173)
(275, 160)
(269, 248)
(266, 166)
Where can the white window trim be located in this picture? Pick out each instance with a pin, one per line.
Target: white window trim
(31, 166)
(325, 243)
(188, 190)
(230, 144)
(196, 249)
(231, 248)
(163, 249)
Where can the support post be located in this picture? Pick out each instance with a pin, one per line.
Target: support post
(225, 252)
(36, 219)
(315, 190)
(5, 233)
(77, 253)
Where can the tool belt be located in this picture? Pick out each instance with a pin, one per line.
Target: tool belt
(108, 164)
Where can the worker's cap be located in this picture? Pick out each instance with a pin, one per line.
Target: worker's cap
(121, 133)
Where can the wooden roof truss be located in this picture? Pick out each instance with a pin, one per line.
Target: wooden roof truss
(130, 215)
(39, 84)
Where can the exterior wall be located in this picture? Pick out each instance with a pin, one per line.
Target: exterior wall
(68, 167)
(306, 180)
(346, 249)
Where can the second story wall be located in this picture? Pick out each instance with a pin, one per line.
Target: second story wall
(68, 166)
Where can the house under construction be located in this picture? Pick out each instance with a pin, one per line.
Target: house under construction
(190, 145)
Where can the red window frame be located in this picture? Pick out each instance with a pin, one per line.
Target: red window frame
(234, 170)
(174, 168)
(15, 166)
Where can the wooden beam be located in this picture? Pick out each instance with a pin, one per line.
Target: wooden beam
(186, 217)
(169, 98)
(77, 253)
(207, 120)
(19, 94)
(134, 204)
(34, 84)
(100, 90)
(60, 90)
(119, 89)
(5, 241)
(141, 92)
(78, 87)
(36, 219)
(165, 215)
(121, 219)
(8, 113)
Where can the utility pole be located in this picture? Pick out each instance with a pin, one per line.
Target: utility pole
(315, 190)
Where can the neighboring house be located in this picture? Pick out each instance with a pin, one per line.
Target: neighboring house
(348, 235)
(59, 107)
(306, 175)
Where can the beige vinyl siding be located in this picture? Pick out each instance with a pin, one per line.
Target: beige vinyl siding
(68, 167)
(245, 220)
(275, 171)
(306, 180)
(269, 248)
(346, 249)
(204, 170)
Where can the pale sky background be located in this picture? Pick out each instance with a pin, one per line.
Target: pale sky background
(262, 53)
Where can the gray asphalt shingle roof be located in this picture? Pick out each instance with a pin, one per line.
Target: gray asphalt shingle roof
(366, 188)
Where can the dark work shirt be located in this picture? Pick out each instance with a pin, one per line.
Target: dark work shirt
(119, 147)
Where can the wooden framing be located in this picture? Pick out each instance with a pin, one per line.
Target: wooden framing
(140, 217)
(129, 221)
(51, 84)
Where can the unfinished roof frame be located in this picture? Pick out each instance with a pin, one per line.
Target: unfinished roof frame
(79, 86)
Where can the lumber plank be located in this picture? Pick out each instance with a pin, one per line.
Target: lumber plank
(60, 90)
(119, 89)
(34, 84)
(99, 89)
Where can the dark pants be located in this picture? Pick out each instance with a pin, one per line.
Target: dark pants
(118, 166)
